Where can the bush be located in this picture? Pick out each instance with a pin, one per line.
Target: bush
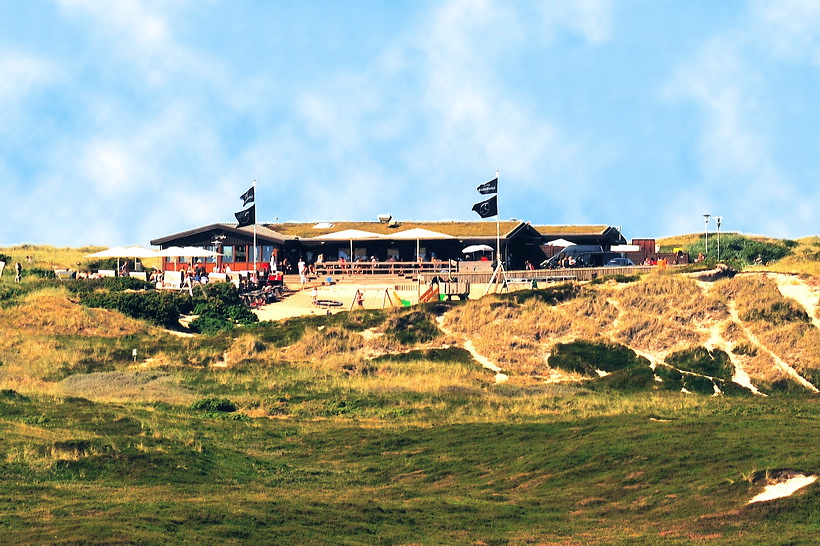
(778, 312)
(214, 404)
(161, 308)
(636, 378)
(413, 327)
(702, 361)
(111, 284)
(586, 357)
(740, 250)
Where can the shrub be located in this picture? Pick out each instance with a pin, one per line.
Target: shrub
(778, 312)
(698, 384)
(700, 360)
(741, 250)
(412, 327)
(552, 295)
(161, 308)
(671, 379)
(619, 278)
(111, 284)
(214, 404)
(636, 378)
(587, 357)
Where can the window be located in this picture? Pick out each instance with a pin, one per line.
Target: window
(267, 252)
(227, 254)
(241, 254)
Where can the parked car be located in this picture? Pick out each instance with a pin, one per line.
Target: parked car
(619, 262)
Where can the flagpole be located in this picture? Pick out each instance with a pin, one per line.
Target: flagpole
(498, 272)
(256, 211)
(497, 226)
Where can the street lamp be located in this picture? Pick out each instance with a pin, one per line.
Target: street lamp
(718, 220)
(706, 223)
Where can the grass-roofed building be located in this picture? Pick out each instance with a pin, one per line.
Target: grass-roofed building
(402, 241)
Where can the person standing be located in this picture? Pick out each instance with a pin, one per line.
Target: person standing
(359, 299)
(18, 271)
(302, 272)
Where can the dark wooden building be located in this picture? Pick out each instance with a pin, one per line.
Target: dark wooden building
(381, 241)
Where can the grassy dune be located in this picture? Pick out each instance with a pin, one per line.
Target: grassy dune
(377, 427)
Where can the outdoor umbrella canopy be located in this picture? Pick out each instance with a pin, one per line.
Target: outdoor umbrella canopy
(560, 242)
(477, 248)
(420, 234)
(348, 235)
(127, 252)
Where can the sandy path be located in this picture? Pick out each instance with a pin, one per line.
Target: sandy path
(779, 362)
(792, 286)
(468, 346)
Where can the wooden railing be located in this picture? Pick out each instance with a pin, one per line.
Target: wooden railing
(329, 269)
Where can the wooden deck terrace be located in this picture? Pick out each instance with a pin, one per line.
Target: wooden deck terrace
(401, 269)
(473, 272)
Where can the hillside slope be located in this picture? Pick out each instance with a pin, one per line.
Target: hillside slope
(765, 323)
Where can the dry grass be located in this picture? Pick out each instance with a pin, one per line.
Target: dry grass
(51, 312)
(49, 257)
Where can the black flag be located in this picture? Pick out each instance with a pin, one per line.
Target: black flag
(247, 197)
(488, 187)
(487, 208)
(246, 217)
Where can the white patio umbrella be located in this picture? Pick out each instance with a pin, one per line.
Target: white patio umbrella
(477, 248)
(560, 242)
(124, 252)
(348, 235)
(418, 234)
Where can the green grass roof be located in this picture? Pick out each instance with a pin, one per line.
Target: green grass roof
(452, 228)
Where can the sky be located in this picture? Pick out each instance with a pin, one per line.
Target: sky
(122, 122)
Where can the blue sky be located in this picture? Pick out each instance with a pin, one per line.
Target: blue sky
(125, 121)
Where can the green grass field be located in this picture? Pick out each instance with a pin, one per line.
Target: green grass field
(76, 471)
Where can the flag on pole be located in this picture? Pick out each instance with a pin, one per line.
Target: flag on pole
(488, 187)
(246, 217)
(247, 197)
(487, 208)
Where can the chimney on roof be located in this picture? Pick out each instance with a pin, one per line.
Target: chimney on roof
(385, 218)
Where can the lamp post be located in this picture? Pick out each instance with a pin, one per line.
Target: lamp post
(718, 220)
(706, 223)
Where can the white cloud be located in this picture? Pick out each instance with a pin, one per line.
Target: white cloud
(20, 73)
(790, 27)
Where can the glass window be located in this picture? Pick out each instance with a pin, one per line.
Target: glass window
(211, 259)
(241, 254)
(227, 254)
(267, 252)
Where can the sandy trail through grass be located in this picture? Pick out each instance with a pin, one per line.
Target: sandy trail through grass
(468, 346)
(792, 286)
(791, 372)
